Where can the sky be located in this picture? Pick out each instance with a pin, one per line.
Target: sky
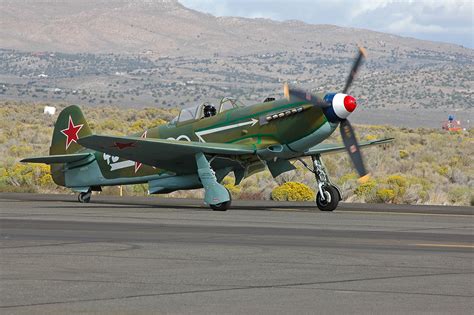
(437, 20)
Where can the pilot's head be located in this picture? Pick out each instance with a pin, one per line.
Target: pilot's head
(209, 110)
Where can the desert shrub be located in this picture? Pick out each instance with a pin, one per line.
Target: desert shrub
(27, 176)
(398, 184)
(346, 177)
(293, 191)
(3, 173)
(20, 150)
(228, 183)
(139, 189)
(459, 195)
(251, 195)
(443, 170)
(366, 188)
(403, 154)
(115, 190)
(398, 180)
(385, 194)
(370, 137)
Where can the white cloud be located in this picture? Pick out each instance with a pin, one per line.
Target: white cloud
(408, 25)
(445, 20)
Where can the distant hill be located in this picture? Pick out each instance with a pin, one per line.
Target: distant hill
(167, 27)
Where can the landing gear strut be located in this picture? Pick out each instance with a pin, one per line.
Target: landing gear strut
(328, 195)
(84, 197)
(215, 195)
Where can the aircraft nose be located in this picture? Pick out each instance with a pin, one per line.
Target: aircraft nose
(350, 103)
(342, 105)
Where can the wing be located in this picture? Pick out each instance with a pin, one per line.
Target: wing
(171, 155)
(329, 148)
(61, 158)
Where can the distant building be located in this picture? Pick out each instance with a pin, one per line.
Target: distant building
(49, 110)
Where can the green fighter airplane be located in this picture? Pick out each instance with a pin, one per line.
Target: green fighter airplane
(205, 143)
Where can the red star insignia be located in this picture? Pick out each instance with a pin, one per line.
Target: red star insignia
(71, 132)
(138, 164)
(123, 145)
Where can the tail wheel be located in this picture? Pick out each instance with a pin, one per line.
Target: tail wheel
(224, 206)
(331, 199)
(84, 197)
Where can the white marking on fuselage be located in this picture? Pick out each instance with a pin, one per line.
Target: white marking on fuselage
(199, 134)
(116, 165)
(120, 165)
(179, 138)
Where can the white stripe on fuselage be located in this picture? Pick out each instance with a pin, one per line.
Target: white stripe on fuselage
(120, 165)
(199, 134)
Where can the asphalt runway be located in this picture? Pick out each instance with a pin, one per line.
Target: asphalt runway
(169, 256)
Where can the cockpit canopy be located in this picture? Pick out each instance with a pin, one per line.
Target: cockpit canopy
(202, 110)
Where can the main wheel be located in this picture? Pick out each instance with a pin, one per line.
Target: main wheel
(221, 206)
(331, 199)
(84, 197)
(224, 206)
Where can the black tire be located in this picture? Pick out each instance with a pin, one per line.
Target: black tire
(221, 206)
(224, 206)
(331, 199)
(84, 197)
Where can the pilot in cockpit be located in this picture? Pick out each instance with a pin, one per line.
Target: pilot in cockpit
(209, 110)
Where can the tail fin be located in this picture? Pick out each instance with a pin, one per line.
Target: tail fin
(70, 126)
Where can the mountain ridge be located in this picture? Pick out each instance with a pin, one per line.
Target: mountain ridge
(166, 27)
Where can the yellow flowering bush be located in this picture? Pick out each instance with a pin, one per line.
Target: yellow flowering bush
(385, 195)
(366, 188)
(293, 191)
(403, 154)
(228, 183)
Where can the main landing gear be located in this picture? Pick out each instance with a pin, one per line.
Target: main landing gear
(84, 197)
(224, 206)
(328, 195)
(215, 195)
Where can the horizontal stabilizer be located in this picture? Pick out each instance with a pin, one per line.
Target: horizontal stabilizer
(330, 148)
(61, 158)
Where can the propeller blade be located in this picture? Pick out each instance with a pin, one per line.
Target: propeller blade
(286, 91)
(355, 67)
(352, 147)
(306, 96)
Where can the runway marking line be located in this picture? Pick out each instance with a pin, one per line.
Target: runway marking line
(407, 213)
(445, 245)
